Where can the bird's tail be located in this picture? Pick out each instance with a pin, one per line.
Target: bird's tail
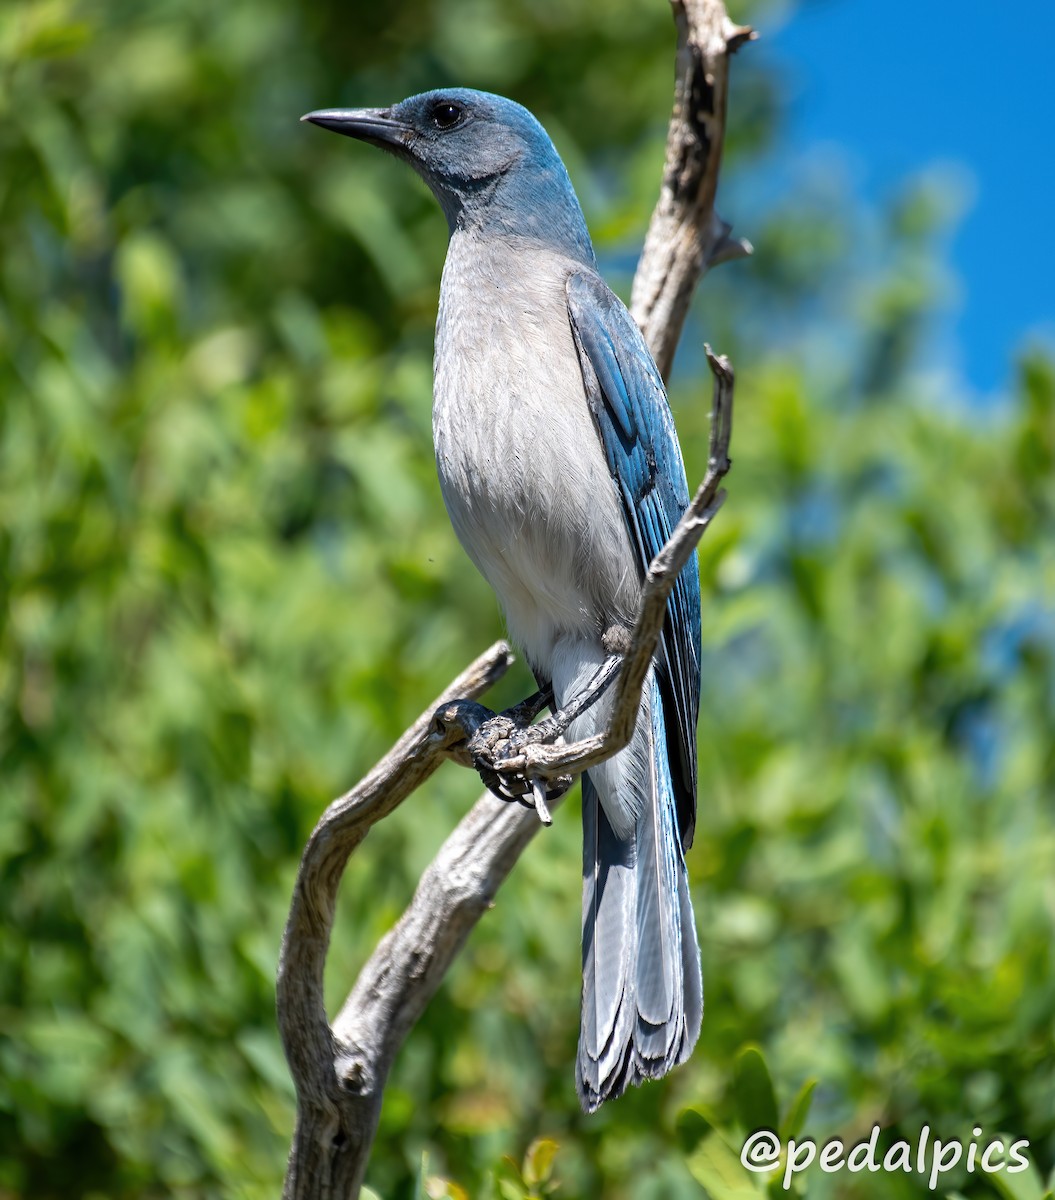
(642, 993)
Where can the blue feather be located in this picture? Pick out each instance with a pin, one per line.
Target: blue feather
(629, 405)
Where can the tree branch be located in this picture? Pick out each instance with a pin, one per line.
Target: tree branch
(686, 237)
(340, 1071)
(330, 1137)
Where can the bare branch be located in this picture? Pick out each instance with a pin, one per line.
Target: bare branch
(410, 963)
(306, 1034)
(686, 237)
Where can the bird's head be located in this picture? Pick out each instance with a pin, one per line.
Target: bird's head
(489, 162)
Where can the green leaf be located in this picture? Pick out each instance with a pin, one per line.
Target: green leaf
(538, 1161)
(714, 1165)
(798, 1111)
(756, 1104)
(420, 1192)
(691, 1128)
(437, 1188)
(1022, 1185)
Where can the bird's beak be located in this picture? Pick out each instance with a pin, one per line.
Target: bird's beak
(374, 125)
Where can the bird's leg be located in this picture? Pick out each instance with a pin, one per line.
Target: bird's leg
(556, 726)
(527, 710)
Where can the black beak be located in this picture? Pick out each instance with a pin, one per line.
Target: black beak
(373, 125)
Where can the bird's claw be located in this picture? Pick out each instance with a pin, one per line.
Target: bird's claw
(492, 742)
(495, 745)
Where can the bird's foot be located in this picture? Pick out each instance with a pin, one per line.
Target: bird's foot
(493, 742)
(490, 740)
(493, 746)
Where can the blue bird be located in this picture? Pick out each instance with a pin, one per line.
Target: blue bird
(561, 471)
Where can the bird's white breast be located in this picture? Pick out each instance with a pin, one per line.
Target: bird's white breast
(520, 461)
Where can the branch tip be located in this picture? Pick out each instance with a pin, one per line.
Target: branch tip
(738, 36)
(538, 792)
(729, 249)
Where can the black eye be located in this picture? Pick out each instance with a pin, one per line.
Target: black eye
(446, 115)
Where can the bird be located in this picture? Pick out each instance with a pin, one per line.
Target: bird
(561, 472)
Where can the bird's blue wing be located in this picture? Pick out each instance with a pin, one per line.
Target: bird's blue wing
(629, 405)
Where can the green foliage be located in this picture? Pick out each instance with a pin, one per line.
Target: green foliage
(228, 584)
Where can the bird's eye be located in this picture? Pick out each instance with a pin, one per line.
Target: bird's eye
(446, 115)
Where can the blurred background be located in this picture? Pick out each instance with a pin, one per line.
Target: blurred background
(228, 584)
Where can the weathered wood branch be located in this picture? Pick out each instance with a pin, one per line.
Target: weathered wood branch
(686, 237)
(340, 1070)
(332, 1142)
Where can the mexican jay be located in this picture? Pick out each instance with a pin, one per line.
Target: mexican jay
(561, 471)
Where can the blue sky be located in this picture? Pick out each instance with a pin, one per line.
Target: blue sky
(901, 87)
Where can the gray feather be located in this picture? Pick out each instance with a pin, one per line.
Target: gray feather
(642, 988)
